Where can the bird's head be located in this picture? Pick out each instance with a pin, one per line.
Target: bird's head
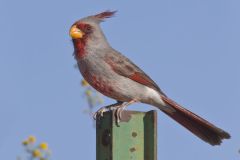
(87, 26)
(87, 35)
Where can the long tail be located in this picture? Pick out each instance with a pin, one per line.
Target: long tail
(197, 125)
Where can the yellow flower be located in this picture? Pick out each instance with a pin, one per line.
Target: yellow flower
(31, 139)
(84, 83)
(36, 153)
(88, 92)
(25, 142)
(43, 146)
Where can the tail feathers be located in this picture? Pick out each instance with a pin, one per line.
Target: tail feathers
(197, 125)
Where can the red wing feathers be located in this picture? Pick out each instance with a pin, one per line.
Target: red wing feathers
(140, 78)
(124, 67)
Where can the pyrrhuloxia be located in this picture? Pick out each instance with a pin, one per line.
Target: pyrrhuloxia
(115, 76)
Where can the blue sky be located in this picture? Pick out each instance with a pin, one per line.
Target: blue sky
(190, 48)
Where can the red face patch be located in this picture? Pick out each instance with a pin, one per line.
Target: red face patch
(85, 28)
(80, 44)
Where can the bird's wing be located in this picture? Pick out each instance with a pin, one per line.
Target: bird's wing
(124, 67)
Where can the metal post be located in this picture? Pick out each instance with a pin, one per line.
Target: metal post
(135, 138)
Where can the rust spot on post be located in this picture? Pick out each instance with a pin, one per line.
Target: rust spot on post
(133, 149)
(126, 115)
(134, 134)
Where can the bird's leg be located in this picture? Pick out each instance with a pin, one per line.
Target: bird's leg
(100, 112)
(120, 109)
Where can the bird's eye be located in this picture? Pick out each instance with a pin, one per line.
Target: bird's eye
(88, 29)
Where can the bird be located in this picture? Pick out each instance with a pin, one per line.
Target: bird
(115, 76)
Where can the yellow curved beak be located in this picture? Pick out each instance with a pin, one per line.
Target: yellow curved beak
(75, 33)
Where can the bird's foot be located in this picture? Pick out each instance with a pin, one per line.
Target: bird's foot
(99, 113)
(118, 113)
(120, 109)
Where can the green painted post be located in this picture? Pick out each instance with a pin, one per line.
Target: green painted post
(135, 138)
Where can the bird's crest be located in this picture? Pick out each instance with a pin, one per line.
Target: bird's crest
(104, 15)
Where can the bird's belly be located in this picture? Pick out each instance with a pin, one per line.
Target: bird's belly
(110, 84)
(97, 78)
